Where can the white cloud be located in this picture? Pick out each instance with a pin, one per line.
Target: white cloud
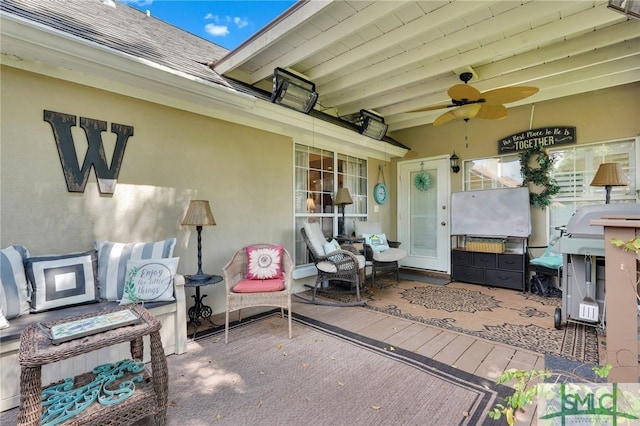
(240, 22)
(217, 30)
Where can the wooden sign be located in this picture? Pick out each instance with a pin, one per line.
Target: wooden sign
(545, 136)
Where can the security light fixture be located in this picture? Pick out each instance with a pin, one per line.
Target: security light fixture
(372, 125)
(293, 91)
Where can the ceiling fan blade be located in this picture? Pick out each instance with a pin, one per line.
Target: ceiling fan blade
(464, 92)
(504, 95)
(432, 108)
(491, 112)
(466, 112)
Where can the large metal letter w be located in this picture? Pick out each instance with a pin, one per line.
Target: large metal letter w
(75, 176)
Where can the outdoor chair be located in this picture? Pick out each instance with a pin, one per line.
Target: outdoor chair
(258, 275)
(335, 263)
(380, 253)
(549, 263)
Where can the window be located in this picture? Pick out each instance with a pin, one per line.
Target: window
(491, 173)
(318, 175)
(574, 169)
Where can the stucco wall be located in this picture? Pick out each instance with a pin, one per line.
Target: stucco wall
(172, 157)
(598, 116)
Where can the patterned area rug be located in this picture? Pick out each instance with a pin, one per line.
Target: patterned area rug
(511, 317)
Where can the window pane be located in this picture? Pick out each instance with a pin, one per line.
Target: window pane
(490, 173)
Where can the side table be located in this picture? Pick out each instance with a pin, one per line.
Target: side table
(200, 310)
(150, 396)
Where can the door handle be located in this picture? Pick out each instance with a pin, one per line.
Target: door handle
(443, 223)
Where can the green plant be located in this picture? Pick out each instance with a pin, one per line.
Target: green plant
(538, 176)
(525, 389)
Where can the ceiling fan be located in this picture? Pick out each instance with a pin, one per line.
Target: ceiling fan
(469, 102)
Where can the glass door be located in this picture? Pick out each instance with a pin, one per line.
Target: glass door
(423, 213)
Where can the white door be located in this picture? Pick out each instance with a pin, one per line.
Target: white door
(423, 213)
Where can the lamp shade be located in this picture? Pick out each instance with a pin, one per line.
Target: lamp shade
(343, 196)
(199, 214)
(609, 174)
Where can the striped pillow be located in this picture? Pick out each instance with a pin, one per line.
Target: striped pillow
(112, 262)
(14, 295)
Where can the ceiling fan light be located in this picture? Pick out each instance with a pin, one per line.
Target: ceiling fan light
(466, 111)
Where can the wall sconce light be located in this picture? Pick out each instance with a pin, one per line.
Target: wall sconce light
(293, 91)
(372, 125)
(631, 8)
(608, 175)
(455, 167)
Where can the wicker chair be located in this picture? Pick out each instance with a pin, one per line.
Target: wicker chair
(344, 265)
(380, 261)
(260, 292)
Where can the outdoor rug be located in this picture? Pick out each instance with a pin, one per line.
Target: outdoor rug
(324, 375)
(515, 318)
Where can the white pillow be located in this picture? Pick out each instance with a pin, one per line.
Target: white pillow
(3, 321)
(331, 246)
(378, 242)
(149, 280)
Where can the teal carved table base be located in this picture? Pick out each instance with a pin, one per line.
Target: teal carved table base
(113, 383)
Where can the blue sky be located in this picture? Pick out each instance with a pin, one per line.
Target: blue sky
(226, 23)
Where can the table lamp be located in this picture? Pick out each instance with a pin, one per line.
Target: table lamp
(342, 199)
(608, 175)
(199, 215)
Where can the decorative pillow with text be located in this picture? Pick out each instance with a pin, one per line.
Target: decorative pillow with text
(113, 258)
(149, 280)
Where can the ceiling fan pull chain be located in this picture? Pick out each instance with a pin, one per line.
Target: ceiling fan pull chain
(466, 134)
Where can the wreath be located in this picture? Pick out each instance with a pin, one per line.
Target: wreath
(538, 176)
(422, 181)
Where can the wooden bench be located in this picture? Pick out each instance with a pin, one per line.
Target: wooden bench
(172, 316)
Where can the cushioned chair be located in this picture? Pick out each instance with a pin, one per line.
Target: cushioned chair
(258, 275)
(549, 263)
(380, 253)
(334, 263)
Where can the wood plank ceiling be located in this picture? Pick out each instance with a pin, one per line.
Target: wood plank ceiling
(396, 56)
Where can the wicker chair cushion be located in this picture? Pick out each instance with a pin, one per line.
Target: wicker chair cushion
(14, 297)
(264, 263)
(390, 255)
(329, 267)
(315, 236)
(258, 286)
